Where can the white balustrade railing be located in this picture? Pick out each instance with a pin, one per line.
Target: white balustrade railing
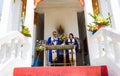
(105, 49)
(13, 52)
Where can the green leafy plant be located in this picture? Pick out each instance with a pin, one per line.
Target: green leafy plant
(100, 20)
(40, 45)
(25, 31)
(63, 37)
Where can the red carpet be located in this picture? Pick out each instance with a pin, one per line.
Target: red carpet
(62, 71)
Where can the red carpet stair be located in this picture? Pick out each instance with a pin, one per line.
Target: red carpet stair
(62, 71)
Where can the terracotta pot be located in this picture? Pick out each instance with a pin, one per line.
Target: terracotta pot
(99, 26)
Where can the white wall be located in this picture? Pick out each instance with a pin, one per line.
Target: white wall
(1, 5)
(105, 9)
(119, 3)
(14, 16)
(115, 14)
(10, 18)
(65, 17)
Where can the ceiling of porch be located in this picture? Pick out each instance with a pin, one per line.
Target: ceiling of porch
(47, 4)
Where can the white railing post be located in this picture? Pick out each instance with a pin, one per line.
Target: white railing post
(64, 57)
(108, 47)
(94, 49)
(18, 49)
(101, 46)
(44, 58)
(74, 56)
(3, 52)
(12, 48)
(8, 49)
(25, 49)
(117, 51)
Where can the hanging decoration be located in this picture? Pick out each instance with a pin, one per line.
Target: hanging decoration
(82, 2)
(25, 31)
(36, 2)
(23, 12)
(14, 1)
(96, 8)
(24, 3)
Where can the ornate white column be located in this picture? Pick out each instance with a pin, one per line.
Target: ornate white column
(5, 16)
(88, 19)
(29, 23)
(115, 14)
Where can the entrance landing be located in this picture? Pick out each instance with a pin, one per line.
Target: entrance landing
(62, 71)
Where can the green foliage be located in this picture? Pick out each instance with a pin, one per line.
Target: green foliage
(63, 37)
(93, 27)
(99, 20)
(39, 47)
(25, 31)
(59, 47)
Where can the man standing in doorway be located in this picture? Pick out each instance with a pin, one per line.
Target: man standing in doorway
(53, 40)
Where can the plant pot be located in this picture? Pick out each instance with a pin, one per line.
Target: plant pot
(94, 32)
(99, 26)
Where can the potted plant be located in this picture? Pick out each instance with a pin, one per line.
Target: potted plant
(93, 28)
(100, 21)
(25, 31)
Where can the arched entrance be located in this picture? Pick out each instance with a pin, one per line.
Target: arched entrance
(70, 15)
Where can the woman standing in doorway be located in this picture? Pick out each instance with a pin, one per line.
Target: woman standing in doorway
(71, 41)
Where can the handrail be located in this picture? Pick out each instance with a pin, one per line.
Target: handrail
(10, 35)
(104, 48)
(107, 32)
(106, 38)
(13, 46)
(59, 47)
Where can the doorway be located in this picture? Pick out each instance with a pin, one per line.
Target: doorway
(84, 54)
(40, 27)
(38, 55)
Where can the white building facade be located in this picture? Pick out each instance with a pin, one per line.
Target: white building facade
(56, 13)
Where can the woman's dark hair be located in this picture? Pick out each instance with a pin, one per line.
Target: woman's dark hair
(71, 34)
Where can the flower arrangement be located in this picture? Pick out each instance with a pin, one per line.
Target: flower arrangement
(99, 22)
(93, 28)
(39, 46)
(25, 31)
(63, 37)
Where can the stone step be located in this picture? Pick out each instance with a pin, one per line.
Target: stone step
(62, 71)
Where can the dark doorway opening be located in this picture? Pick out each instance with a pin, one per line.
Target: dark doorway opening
(39, 58)
(84, 54)
(40, 27)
